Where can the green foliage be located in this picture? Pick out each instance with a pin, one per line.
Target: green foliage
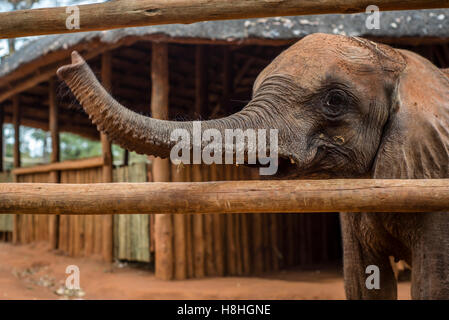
(35, 147)
(76, 147)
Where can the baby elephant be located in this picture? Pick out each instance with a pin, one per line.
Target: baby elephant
(344, 107)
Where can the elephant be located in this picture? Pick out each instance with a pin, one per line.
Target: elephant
(344, 107)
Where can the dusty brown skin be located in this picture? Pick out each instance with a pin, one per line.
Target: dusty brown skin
(344, 107)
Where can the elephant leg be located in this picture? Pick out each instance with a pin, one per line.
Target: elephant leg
(430, 259)
(356, 258)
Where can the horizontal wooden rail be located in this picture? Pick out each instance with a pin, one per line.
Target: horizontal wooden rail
(61, 166)
(119, 14)
(227, 197)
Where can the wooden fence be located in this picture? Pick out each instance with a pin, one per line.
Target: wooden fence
(132, 232)
(203, 245)
(82, 235)
(247, 243)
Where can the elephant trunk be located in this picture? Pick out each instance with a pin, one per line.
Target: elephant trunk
(129, 129)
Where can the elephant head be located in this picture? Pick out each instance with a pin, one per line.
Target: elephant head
(343, 107)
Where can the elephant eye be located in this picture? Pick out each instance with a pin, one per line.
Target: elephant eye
(335, 102)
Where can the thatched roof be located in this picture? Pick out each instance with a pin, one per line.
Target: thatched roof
(409, 26)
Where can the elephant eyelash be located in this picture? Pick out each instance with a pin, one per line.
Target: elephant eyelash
(343, 100)
(334, 103)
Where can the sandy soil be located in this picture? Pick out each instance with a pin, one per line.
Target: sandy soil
(34, 272)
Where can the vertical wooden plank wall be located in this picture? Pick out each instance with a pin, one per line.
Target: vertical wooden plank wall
(32, 228)
(81, 235)
(131, 231)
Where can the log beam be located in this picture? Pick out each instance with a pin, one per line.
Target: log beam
(61, 166)
(120, 14)
(291, 196)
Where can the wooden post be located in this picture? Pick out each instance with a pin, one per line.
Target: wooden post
(230, 237)
(54, 128)
(189, 230)
(53, 221)
(219, 230)
(200, 81)
(108, 220)
(244, 218)
(2, 118)
(16, 164)
(180, 233)
(164, 264)
(125, 158)
(211, 269)
(228, 83)
(198, 233)
(16, 122)
(199, 228)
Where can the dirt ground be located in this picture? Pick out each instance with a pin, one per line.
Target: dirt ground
(34, 272)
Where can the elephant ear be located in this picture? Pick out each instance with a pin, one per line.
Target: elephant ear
(446, 71)
(415, 142)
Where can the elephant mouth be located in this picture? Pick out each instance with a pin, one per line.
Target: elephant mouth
(286, 167)
(291, 167)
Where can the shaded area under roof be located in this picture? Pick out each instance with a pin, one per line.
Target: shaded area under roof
(393, 25)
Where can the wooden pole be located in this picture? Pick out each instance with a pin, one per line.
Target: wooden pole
(16, 153)
(61, 166)
(189, 229)
(54, 128)
(198, 233)
(199, 227)
(228, 86)
(108, 220)
(180, 233)
(125, 158)
(53, 221)
(219, 230)
(231, 258)
(294, 196)
(16, 122)
(164, 264)
(200, 81)
(211, 268)
(2, 119)
(120, 14)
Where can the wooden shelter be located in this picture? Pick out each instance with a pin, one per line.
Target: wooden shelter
(200, 71)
